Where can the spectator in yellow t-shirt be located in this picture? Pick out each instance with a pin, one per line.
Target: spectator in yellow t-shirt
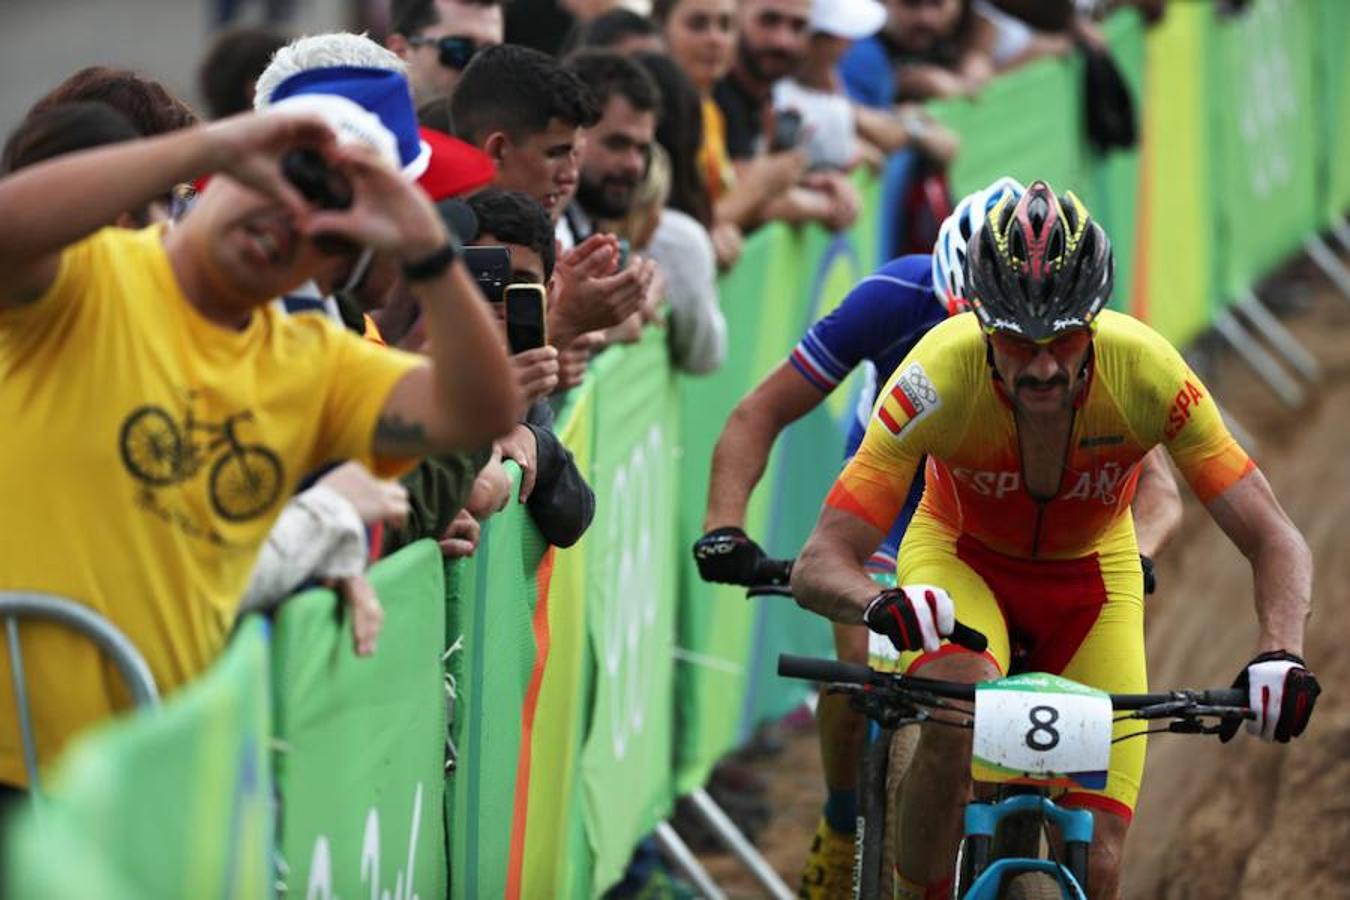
(158, 412)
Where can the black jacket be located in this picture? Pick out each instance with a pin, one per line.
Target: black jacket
(562, 504)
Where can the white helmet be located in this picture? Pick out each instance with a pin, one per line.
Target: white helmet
(949, 254)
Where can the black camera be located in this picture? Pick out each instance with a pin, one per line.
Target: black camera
(320, 185)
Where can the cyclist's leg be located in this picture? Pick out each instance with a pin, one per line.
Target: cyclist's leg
(938, 782)
(1111, 658)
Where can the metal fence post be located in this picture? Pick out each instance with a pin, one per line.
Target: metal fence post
(1262, 363)
(1280, 338)
(1326, 259)
(687, 862)
(727, 832)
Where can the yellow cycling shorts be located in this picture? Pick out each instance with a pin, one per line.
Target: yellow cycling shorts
(1079, 618)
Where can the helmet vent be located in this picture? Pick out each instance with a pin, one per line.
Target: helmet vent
(1055, 248)
(1038, 210)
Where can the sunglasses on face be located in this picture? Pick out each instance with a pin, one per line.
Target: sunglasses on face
(1063, 348)
(454, 51)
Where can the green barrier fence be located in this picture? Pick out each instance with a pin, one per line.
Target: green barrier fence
(1265, 128)
(1331, 25)
(594, 685)
(173, 802)
(490, 609)
(361, 739)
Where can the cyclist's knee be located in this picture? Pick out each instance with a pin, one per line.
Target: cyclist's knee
(961, 666)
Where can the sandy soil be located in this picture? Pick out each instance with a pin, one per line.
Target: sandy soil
(1243, 820)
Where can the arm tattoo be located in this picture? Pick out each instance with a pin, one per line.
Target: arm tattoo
(402, 433)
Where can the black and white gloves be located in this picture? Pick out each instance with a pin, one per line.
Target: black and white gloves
(1282, 695)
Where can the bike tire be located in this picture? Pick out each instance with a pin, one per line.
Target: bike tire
(142, 443)
(870, 839)
(1031, 886)
(260, 471)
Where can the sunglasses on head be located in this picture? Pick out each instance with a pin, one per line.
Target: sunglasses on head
(454, 51)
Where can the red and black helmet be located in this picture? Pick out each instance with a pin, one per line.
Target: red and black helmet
(1040, 266)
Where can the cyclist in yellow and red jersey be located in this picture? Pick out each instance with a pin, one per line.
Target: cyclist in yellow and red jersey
(1034, 413)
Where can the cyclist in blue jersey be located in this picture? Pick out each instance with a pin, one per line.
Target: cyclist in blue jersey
(875, 327)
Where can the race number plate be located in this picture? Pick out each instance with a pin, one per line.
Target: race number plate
(1041, 729)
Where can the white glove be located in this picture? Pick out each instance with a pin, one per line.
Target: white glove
(1265, 686)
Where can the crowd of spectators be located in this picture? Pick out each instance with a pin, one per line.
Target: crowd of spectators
(280, 280)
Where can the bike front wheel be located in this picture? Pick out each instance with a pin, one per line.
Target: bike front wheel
(245, 482)
(1032, 886)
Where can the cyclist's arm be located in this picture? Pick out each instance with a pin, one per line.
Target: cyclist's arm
(742, 450)
(1157, 504)
(829, 576)
(1281, 562)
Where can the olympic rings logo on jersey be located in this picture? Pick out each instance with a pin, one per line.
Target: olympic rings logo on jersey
(912, 398)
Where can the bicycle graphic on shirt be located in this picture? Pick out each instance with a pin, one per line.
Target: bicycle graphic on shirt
(244, 479)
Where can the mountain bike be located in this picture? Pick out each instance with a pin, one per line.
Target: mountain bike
(1032, 732)
(244, 480)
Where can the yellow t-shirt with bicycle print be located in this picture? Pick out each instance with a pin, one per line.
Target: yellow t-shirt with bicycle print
(148, 452)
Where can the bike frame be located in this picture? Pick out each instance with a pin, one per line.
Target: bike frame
(894, 701)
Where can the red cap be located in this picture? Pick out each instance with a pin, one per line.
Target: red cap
(455, 167)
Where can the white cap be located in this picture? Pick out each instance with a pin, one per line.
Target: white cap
(851, 19)
(351, 123)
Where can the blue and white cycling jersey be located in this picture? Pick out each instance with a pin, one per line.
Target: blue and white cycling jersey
(876, 326)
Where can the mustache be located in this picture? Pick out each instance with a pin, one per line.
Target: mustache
(1026, 381)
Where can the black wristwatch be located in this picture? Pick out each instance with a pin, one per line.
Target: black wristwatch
(433, 265)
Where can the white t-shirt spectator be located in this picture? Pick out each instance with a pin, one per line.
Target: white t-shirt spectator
(698, 331)
(827, 120)
(1013, 35)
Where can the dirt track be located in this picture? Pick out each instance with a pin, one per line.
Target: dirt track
(1245, 820)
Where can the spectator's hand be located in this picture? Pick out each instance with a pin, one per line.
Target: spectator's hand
(595, 257)
(461, 536)
(387, 213)
(374, 499)
(597, 302)
(779, 171)
(935, 140)
(629, 331)
(522, 446)
(923, 81)
(845, 202)
(572, 361)
(727, 241)
(537, 371)
(491, 489)
(652, 310)
(358, 596)
(249, 147)
(1086, 31)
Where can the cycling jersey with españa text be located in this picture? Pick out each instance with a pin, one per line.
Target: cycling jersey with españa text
(876, 326)
(944, 402)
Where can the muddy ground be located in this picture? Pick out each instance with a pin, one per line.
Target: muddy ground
(1243, 820)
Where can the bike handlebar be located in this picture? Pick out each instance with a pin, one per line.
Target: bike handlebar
(831, 671)
(969, 638)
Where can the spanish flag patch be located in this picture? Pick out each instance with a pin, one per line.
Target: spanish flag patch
(912, 397)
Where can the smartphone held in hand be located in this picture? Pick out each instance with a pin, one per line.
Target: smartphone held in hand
(491, 268)
(526, 317)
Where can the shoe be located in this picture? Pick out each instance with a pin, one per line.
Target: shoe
(828, 874)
